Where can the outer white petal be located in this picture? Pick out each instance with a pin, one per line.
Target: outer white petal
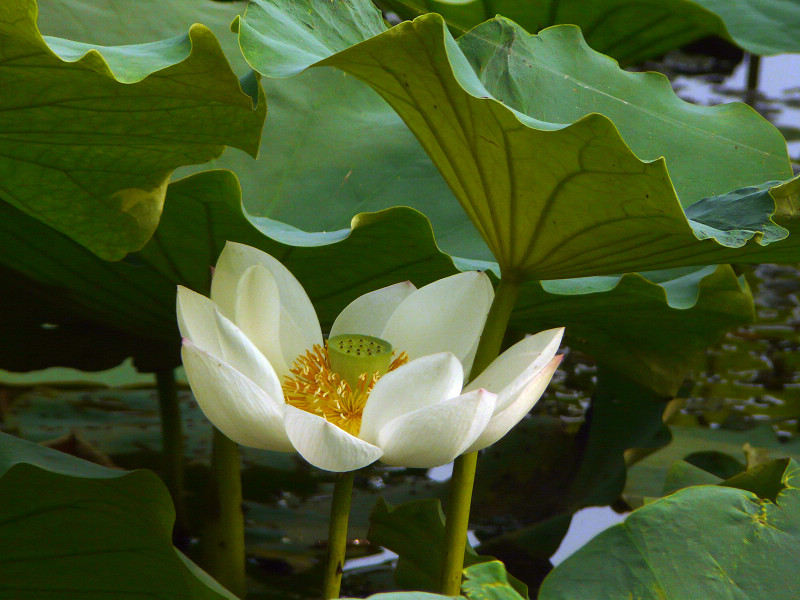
(325, 445)
(418, 384)
(368, 314)
(444, 316)
(226, 290)
(196, 318)
(503, 420)
(235, 405)
(202, 324)
(435, 435)
(510, 372)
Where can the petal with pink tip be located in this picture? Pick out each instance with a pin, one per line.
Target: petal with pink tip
(516, 407)
(435, 435)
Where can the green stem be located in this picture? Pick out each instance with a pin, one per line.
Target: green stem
(172, 444)
(460, 493)
(337, 535)
(223, 536)
(753, 68)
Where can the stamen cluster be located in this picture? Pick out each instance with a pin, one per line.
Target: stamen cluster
(314, 387)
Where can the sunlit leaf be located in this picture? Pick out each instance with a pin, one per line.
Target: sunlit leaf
(488, 581)
(701, 542)
(89, 135)
(552, 150)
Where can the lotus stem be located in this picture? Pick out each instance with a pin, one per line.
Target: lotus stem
(172, 445)
(753, 68)
(337, 535)
(461, 483)
(223, 536)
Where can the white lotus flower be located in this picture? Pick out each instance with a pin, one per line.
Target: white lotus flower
(387, 385)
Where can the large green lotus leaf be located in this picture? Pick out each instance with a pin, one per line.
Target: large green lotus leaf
(312, 172)
(701, 542)
(634, 30)
(75, 530)
(552, 150)
(89, 135)
(118, 22)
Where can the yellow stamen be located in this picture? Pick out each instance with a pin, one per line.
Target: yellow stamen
(312, 386)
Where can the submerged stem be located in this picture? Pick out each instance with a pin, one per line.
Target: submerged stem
(223, 536)
(172, 444)
(753, 68)
(337, 535)
(460, 492)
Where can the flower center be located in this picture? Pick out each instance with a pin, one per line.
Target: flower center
(334, 382)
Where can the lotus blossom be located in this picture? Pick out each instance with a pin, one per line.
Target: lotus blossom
(387, 384)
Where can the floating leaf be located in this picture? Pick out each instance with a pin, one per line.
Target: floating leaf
(701, 542)
(488, 581)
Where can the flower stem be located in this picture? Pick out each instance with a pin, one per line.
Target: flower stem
(337, 535)
(223, 536)
(172, 444)
(460, 493)
(753, 67)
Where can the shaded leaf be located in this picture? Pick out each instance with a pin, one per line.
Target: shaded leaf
(650, 333)
(646, 478)
(120, 528)
(634, 30)
(556, 474)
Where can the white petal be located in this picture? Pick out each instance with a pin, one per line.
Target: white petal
(435, 435)
(510, 372)
(196, 318)
(504, 420)
(235, 405)
(258, 313)
(325, 445)
(444, 316)
(226, 291)
(201, 322)
(368, 314)
(418, 384)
